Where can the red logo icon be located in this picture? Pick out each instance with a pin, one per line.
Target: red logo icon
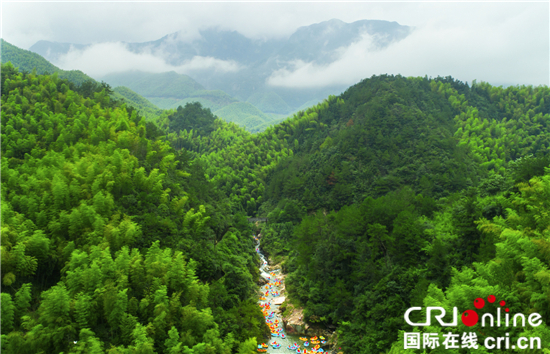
(470, 318)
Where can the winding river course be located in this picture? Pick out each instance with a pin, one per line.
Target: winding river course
(267, 274)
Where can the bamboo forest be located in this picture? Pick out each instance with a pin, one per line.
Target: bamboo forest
(128, 231)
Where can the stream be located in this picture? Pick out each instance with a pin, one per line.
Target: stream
(270, 298)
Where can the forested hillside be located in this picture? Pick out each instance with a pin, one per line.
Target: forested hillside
(126, 235)
(145, 107)
(112, 239)
(29, 61)
(414, 192)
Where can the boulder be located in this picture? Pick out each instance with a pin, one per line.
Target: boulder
(295, 328)
(294, 323)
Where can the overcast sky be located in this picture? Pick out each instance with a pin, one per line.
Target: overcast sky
(499, 42)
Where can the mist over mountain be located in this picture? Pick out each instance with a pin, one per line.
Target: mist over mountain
(242, 67)
(54, 50)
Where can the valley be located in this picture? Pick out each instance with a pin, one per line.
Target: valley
(125, 207)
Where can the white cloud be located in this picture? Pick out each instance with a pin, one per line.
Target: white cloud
(209, 63)
(104, 58)
(348, 69)
(513, 51)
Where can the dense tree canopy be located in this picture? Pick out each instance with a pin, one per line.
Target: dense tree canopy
(111, 239)
(401, 192)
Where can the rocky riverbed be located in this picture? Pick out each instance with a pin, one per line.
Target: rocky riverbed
(272, 296)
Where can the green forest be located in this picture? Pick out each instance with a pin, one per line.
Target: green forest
(124, 229)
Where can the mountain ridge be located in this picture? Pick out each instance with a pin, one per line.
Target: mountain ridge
(319, 43)
(27, 60)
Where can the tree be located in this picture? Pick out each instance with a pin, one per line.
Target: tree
(248, 347)
(8, 313)
(22, 300)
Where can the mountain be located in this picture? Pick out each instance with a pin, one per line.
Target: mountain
(168, 84)
(144, 106)
(170, 90)
(245, 114)
(253, 61)
(269, 102)
(319, 43)
(54, 50)
(26, 60)
(407, 192)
